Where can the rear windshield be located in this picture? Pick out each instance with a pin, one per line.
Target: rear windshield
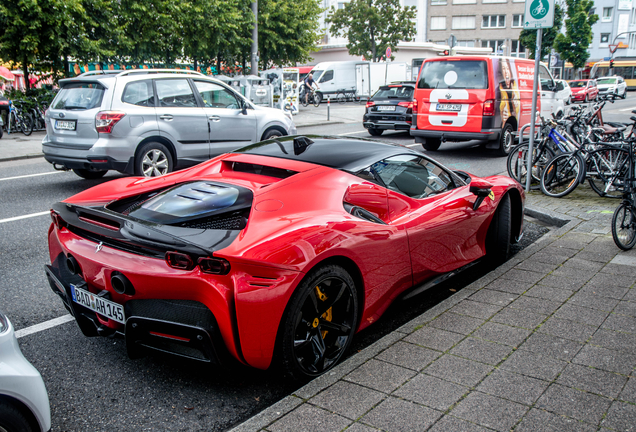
(458, 74)
(397, 92)
(576, 84)
(79, 96)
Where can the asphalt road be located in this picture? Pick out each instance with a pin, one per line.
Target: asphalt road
(92, 384)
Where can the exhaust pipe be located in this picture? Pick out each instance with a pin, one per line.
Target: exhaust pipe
(72, 265)
(121, 284)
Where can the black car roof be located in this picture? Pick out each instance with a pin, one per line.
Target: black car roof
(348, 154)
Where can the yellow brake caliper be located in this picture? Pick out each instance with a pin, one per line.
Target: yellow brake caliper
(327, 315)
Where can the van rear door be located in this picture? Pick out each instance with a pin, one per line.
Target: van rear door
(451, 93)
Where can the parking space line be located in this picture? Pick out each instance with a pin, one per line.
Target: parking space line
(25, 216)
(30, 175)
(43, 326)
(627, 109)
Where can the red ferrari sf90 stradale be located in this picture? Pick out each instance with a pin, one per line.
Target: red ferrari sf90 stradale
(276, 253)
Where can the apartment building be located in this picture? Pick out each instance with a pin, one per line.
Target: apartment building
(494, 24)
(616, 19)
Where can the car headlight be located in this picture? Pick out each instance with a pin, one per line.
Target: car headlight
(4, 323)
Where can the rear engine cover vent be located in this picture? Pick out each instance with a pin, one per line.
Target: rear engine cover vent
(192, 202)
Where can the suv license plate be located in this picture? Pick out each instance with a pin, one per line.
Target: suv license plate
(65, 125)
(386, 108)
(449, 107)
(104, 307)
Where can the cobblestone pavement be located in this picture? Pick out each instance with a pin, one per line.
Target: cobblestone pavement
(545, 342)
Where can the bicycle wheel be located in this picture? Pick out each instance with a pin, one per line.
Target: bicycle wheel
(317, 99)
(341, 98)
(12, 123)
(606, 172)
(624, 226)
(517, 163)
(562, 174)
(26, 124)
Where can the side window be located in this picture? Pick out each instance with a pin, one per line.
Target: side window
(546, 79)
(412, 176)
(139, 93)
(216, 96)
(328, 76)
(175, 93)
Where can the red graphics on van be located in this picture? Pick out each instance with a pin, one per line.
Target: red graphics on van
(477, 98)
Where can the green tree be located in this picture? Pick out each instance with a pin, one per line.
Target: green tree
(288, 31)
(572, 46)
(528, 37)
(372, 25)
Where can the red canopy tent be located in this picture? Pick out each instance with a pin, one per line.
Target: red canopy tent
(6, 74)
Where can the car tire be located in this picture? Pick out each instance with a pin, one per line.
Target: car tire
(506, 140)
(587, 99)
(375, 132)
(499, 232)
(1, 132)
(624, 93)
(272, 133)
(89, 174)
(432, 144)
(153, 160)
(319, 323)
(12, 420)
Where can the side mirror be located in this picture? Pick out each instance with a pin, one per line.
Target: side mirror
(481, 189)
(243, 107)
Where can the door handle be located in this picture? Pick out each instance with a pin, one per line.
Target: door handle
(215, 118)
(167, 117)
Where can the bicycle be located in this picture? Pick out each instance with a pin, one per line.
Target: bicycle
(624, 217)
(312, 98)
(17, 119)
(350, 95)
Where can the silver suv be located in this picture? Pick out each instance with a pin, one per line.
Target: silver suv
(149, 122)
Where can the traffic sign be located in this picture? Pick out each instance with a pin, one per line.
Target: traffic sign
(388, 53)
(539, 14)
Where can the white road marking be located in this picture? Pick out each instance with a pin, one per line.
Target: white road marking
(43, 326)
(25, 216)
(30, 175)
(352, 133)
(627, 109)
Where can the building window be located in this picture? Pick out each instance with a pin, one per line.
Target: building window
(438, 2)
(466, 43)
(463, 22)
(341, 5)
(607, 14)
(494, 44)
(517, 20)
(464, 1)
(494, 1)
(438, 23)
(493, 21)
(409, 3)
(517, 50)
(605, 38)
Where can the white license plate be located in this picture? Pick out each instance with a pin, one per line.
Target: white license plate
(386, 108)
(65, 125)
(449, 107)
(104, 307)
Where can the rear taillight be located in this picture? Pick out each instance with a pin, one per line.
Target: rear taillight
(57, 220)
(406, 104)
(489, 107)
(414, 106)
(216, 266)
(179, 260)
(370, 104)
(106, 120)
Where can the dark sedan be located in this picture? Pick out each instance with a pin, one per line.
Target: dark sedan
(391, 107)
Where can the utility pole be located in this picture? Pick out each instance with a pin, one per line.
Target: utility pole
(254, 56)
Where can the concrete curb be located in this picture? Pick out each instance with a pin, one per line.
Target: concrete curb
(289, 403)
(28, 156)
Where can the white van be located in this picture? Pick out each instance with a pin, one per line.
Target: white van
(334, 76)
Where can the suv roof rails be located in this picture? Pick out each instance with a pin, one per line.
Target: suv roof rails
(149, 71)
(99, 72)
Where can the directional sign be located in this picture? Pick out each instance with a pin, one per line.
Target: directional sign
(539, 14)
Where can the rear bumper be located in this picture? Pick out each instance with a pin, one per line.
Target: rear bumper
(67, 162)
(484, 135)
(183, 328)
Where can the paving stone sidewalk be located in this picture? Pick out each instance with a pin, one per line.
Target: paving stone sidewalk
(546, 342)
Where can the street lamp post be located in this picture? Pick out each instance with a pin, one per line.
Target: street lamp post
(254, 56)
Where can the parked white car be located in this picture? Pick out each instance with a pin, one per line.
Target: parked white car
(24, 403)
(612, 85)
(563, 91)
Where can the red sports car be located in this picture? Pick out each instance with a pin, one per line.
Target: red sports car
(276, 253)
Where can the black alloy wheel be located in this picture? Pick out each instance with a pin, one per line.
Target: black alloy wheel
(320, 323)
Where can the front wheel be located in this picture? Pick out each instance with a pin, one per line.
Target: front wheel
(319, 323)
(517, 163)
(11, 419)
(272, 134)
(90, 174)
(500, 232)
(624, 93)
(153, 160)
(562, 175)
(317, 99)
(624, 226)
